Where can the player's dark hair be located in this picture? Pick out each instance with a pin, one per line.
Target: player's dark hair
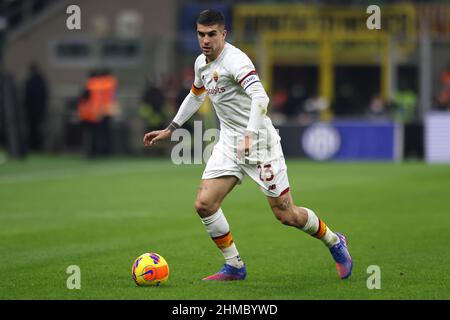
(211, 17)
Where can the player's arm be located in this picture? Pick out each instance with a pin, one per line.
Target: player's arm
(254, 89)
(190, 105)
(258, 108)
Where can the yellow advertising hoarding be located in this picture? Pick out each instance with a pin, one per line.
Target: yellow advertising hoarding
(323, 35)
(248, 20)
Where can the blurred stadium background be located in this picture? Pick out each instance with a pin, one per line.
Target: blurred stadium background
(383, 93)
(374, 104)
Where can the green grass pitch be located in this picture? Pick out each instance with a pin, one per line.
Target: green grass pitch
(100, 215)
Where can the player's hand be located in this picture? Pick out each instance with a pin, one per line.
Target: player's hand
(244, 147)
(151, 138)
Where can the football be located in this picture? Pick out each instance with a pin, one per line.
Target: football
(150, 269)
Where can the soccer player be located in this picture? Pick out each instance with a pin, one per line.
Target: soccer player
(248, 145)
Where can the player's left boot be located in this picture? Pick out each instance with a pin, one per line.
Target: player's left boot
(228, 273)
(342, 257)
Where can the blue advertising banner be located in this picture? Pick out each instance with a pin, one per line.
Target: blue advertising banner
(366, 141)
(344, 140)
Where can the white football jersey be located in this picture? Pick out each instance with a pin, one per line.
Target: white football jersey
(226, 80)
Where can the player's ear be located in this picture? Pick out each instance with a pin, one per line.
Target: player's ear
(224, 33)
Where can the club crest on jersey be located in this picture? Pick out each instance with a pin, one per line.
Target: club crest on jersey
(215, 76)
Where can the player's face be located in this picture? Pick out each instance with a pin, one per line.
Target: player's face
(211, 40)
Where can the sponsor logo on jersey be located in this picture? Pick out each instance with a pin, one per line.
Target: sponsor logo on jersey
(215, 91)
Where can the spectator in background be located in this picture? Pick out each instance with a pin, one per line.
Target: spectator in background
(404, 102)
(96, 106)
(88, 116)
(277, 111)
(314, 107)
(443, 100)
(35, 103)
(152, 107)
(12, 119)
(344, 103)
(296, 97)
(378, 110)
(106, 91)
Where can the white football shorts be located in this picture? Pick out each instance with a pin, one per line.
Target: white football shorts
(270, 175)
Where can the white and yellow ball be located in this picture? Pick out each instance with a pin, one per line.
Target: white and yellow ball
(150, 269)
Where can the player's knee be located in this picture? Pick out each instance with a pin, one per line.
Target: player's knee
(206, 208)
(284, 216)
(285, 219)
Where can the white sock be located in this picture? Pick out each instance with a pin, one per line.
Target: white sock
(318, 229)
(218, 229)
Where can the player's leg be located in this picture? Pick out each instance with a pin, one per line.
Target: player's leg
(305, 219)
(209, 198)
(211, 194)
(219, 178)
(272, 178)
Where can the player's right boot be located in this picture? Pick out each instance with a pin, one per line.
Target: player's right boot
(342, 257)
(228, 273)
